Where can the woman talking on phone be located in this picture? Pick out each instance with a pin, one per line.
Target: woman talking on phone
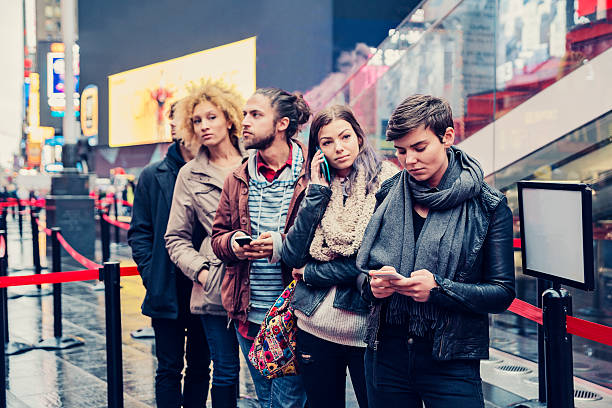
(345, 173)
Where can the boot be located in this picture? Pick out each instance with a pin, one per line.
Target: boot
(224, 397)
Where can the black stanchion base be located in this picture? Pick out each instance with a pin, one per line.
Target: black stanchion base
(60, 343)
(35, 292)
(14, 347)
(529, 404)
(144, 333)
(98, 287)
(14, 295)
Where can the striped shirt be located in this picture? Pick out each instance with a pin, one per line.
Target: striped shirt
(268, 208)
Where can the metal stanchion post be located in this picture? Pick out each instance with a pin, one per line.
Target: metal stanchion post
(557, 305)
(9, 347)
(542, 285)
(39, 291)
(59, 341)
(20, 218)
(114, 362)
(3, 335)
(117, 229)
(104, 237)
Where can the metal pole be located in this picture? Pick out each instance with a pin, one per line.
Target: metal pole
(3, 291)
(557, 305)
(114, 363)
(35, 243)
(57, 287)
(3, 335)
(542, 285)
(117, 230)
(105, 237)
(20, 218)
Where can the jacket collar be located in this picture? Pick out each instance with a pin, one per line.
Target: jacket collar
(242, 172)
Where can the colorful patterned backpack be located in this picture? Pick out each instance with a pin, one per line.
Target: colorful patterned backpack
(273, 351)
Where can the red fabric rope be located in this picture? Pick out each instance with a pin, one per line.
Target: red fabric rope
(516, 243)
(119, 224)
(589, 330)
(74, 254)
(583, 328)
(47, 230)
(60, 277)
(526, 310)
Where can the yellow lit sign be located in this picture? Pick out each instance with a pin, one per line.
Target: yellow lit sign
(34, 101)
(89, 111)
(139, 98)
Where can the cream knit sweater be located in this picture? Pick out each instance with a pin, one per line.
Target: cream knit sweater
(339, 234)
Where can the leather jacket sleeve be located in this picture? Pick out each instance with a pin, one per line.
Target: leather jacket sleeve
(335, 272)
(495, 292)
(295, 251)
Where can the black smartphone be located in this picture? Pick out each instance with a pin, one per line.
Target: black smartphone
(242, 240)
(325, 168)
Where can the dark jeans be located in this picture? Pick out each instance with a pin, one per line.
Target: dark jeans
(402, 372)
(323, 367)
(170, 349)
(223, 346)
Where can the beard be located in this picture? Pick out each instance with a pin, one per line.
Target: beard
(259, 143)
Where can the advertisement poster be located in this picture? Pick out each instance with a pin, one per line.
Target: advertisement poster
(139, 98)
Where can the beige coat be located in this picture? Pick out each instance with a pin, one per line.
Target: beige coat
(196, 196)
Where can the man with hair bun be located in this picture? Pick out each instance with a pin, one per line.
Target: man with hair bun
(260, 200)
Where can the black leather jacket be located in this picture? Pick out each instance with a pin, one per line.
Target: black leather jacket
(319, 277)
(484, 282)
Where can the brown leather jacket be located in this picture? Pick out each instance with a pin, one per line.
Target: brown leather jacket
(232, 216)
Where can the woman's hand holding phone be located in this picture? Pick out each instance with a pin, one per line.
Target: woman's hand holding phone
(316, 175)
(382, 280)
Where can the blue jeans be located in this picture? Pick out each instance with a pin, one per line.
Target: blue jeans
(283, 392)
(223, 347)
(402, 372)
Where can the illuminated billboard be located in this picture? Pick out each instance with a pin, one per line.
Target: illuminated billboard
(139, 98)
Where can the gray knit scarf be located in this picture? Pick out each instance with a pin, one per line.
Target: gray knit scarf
(389, 237)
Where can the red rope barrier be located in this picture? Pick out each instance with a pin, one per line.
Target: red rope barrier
(60, 277)
(46, 230)
(119, 224)
(589, 330)
(75, 255)
(582, 328)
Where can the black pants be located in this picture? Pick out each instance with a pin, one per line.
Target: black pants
(172, 350)
(323, 365)
(402, 372)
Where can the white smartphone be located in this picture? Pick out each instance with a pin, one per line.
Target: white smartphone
(386, 274)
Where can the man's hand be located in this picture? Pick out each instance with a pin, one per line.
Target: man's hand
(240, 251)
(261, 247)
(417, 286)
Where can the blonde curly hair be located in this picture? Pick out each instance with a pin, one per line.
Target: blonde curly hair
(223, 96)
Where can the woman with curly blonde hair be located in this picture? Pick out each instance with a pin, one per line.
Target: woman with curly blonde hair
(210, 120)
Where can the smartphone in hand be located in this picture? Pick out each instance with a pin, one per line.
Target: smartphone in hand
(386, 274)
(325, 168)
(243, 240)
